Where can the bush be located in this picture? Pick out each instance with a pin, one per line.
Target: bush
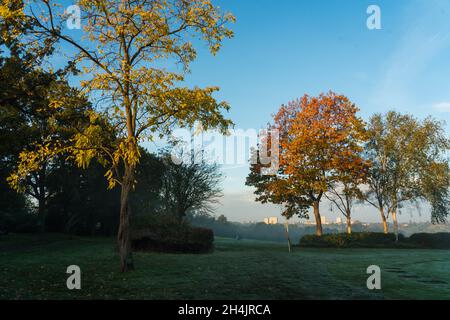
(159, 226)
(355, 240)
(431, 240)
(167, 234)
(202, 239)
(6, 223)
(20, 222)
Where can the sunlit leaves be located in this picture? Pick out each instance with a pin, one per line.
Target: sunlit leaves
(11, 19)
(124, 54)
(320, 145)
(409, 163)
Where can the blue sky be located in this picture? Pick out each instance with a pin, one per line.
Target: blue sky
(283, 49)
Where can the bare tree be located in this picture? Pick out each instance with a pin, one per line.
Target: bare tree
(189, 185)
(343, 197)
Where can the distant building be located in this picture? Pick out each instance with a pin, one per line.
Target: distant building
(271, 220)
(323, 219)
(338, 220)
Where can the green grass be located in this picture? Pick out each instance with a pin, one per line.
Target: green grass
(34, 266)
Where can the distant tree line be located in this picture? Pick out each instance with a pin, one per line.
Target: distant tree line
(261, 231)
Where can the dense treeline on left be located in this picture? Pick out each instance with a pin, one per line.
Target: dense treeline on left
(62, 197)
(59, 196)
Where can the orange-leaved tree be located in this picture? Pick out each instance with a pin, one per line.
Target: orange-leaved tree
(320, 143)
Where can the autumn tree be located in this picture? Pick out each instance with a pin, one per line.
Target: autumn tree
(320, 140)
(268, 183)
(409, 164)
(125, 55)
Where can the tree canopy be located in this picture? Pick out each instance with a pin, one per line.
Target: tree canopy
(320, 144)
(409, 164)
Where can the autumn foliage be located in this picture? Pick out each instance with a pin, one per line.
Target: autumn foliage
(320, 146)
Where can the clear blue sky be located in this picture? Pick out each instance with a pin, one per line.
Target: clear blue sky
(285, 48)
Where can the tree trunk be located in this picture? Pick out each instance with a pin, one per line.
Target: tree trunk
(41, 197)
(394, 219)
(124, 235)
(286, 229)
(385, 225)
(318, 218)
(349, 224)
(41, 206)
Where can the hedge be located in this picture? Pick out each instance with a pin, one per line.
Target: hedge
(166, 234)
(431, 240)
(377, 240)
(355, 240)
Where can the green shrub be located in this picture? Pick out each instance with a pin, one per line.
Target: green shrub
(377, 240)
(355, 240)
(164, 233)
(20, 222)
(6, 223)
(431, 240)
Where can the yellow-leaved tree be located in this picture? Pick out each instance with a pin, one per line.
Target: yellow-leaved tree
(134, 55)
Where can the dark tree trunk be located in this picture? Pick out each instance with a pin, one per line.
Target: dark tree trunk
(41, 198)
(318, 218)
(124, 235)
(181, 213)
(41, 206)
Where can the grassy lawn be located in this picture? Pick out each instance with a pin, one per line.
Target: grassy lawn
(34, 266)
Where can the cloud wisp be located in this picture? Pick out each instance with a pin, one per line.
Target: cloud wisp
(442, 106)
